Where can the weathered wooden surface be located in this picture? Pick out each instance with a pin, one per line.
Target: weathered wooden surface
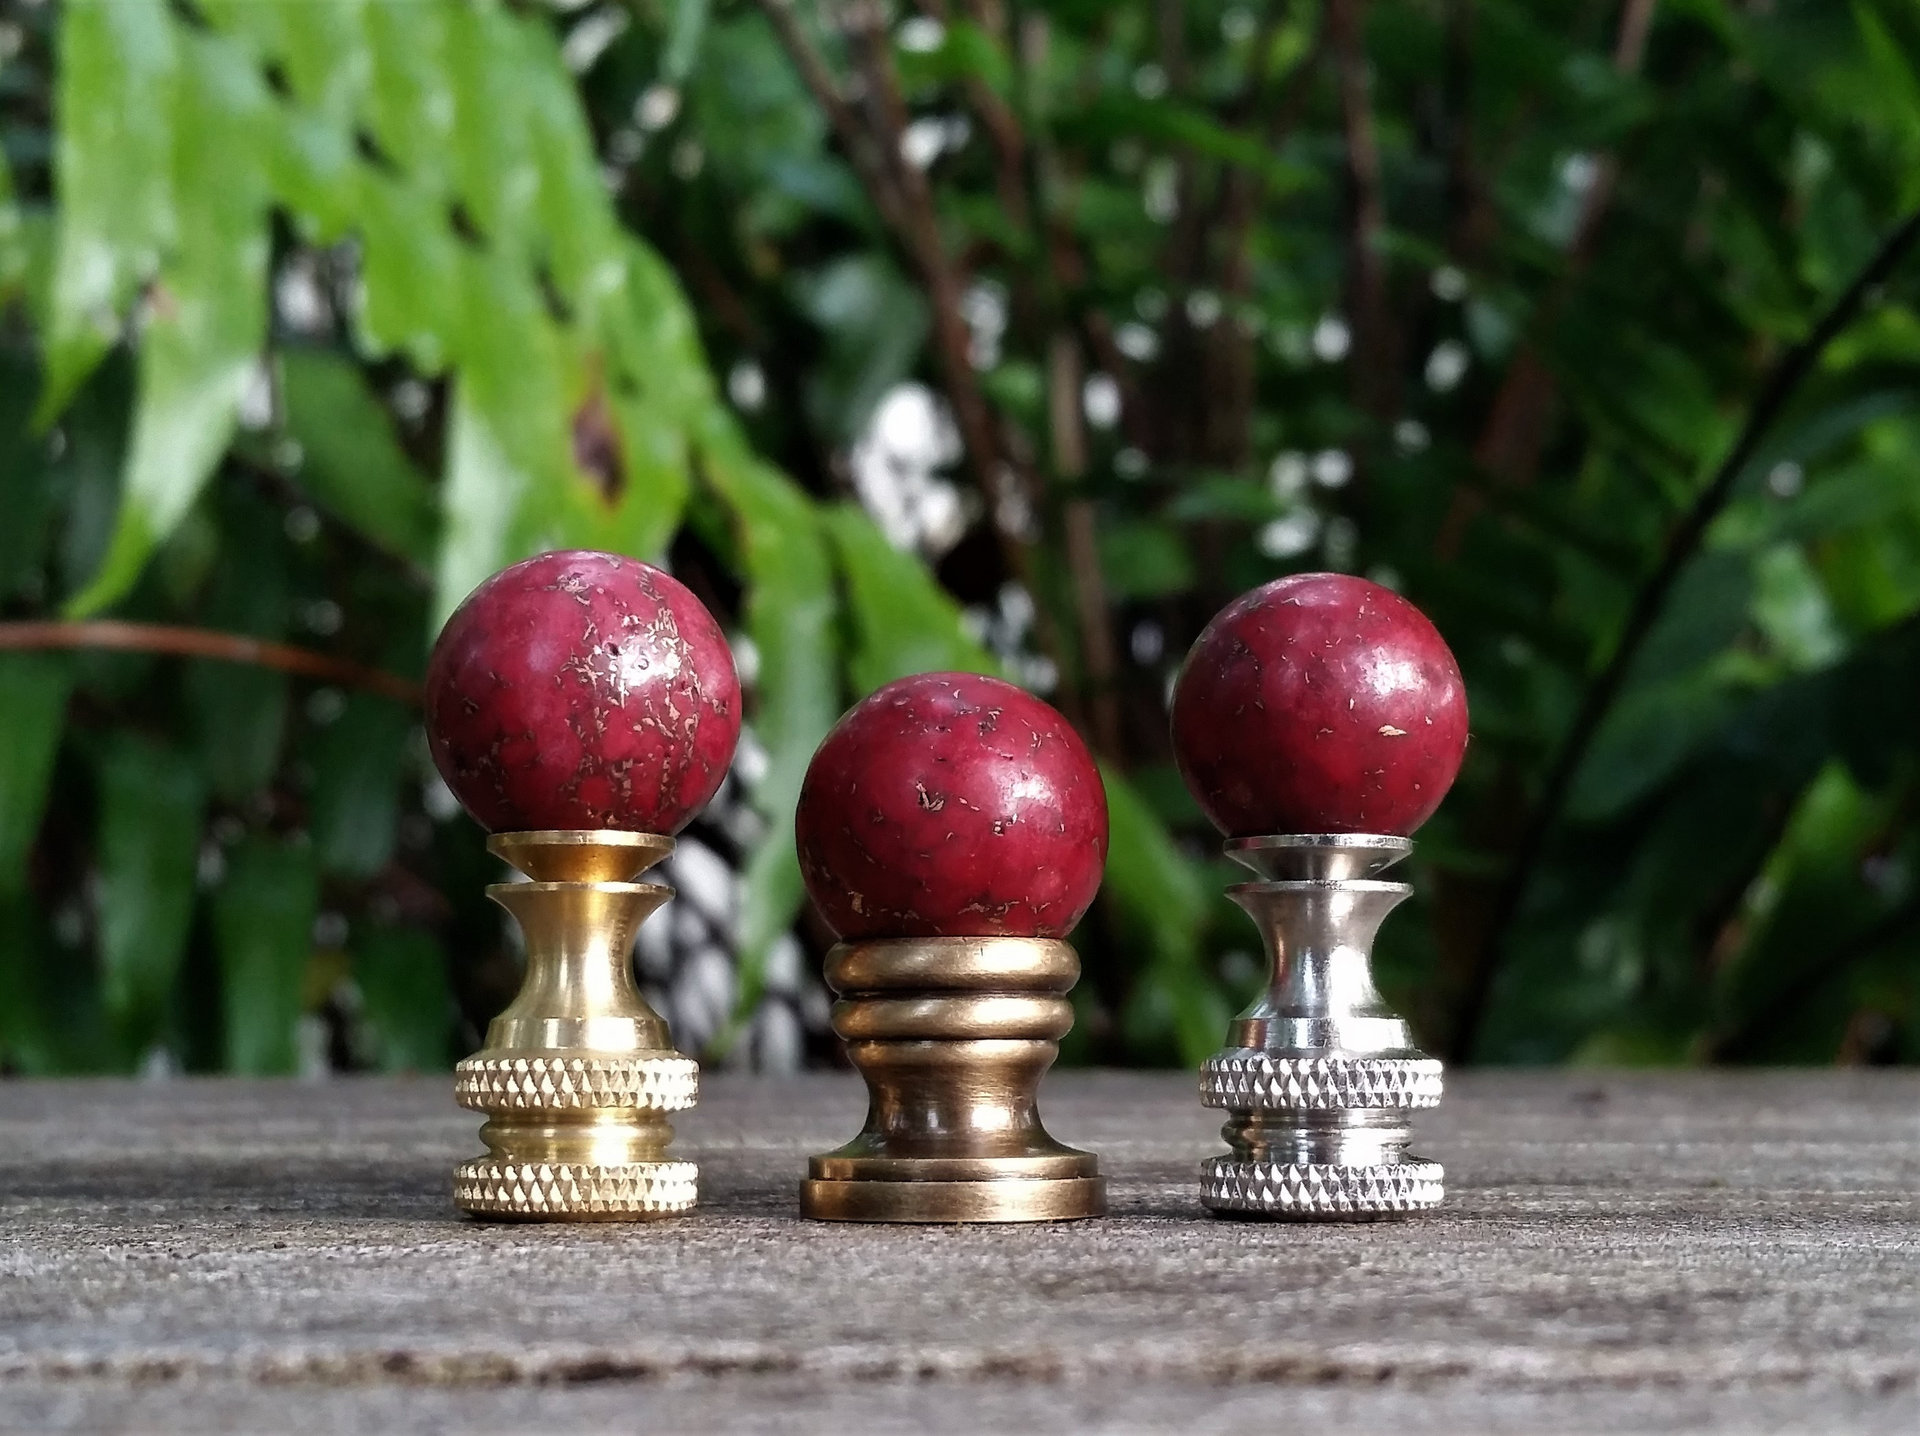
(1723, 1252)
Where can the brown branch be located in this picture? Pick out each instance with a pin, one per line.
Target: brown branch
(208, 643)
(905, 200)
(919, 233)
(1520, 416)
(1375, 362)
(873, 168)
(1782, 384)
(1099, 658)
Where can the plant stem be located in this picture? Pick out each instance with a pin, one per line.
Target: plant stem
(208, 643)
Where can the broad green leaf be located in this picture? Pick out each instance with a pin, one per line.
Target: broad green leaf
(263, 929)
(411, 110)
(790, 619)
(579, 239)
(875, 326)
(1162, 900)
(152, 805)
(1179, 124)
(1896, 87)
(353, 466)
(34, 488)
(902, 620)
(25, 252)
(114, 103)
(409, 1011)
(50, 1020)
(686, 27)
(414, 271)
(321, 49)
(480, 496)
(1144, 560)
(1792, 611)
(206, 313)
(358, 762)
(239, 710)
(1805, 911)
(33, 706)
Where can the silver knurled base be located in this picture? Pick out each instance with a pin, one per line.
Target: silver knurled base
(1316, 1192)
(1243, 1081)
(652, 1082)
(575, 1191)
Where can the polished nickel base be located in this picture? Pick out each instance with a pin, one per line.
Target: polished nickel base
(1319, 1078)
(578, 1074)
(953, 1036)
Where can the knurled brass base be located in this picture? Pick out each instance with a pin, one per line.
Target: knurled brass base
(575, 1191)
(578, 1075)
(1042, 1199)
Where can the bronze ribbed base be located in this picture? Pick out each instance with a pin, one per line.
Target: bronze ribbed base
(953, 1036)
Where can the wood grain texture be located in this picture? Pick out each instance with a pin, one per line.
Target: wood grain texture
(1696, 1252)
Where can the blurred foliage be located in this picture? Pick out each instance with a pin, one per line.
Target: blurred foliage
(1583, 322)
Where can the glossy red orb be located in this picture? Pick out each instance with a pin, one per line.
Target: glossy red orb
(582, 690)
(952, 805)
(1320, 703)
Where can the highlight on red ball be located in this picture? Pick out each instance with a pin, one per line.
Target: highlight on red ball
(1319, 703)
(582, 690)
(952, 805)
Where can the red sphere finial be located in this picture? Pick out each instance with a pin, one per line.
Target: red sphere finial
(1320, 703)
(582, 690)
(952, 805)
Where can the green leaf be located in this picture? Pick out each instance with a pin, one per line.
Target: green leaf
(1198, 131)
(263, 929)
(50, 1019)
(239, 710)
(26, 252)
(874, 323)
(479, 499)
(790, 619)
(688, 26)
(353, 465)
(206, 313)
(152, 804)
(1144, 560)
(33, 705)
(1162, 900)
(358, 762)
(902, 620)
(409, 1011)
(114, 103)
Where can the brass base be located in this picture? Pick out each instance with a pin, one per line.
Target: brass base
(578, 1074)
(1018, 1199)
(575, 1191)
(953, 1036)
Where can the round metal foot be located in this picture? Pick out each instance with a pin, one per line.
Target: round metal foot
(575, 1191)
(1325, 1192)
(1008, 1200)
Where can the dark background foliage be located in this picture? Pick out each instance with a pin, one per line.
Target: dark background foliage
(962, 333)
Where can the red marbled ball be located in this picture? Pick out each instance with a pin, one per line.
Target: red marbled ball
(952, 805)
(1320, 703)
(582, 690)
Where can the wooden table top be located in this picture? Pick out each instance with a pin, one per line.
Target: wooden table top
(1671, 1252)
